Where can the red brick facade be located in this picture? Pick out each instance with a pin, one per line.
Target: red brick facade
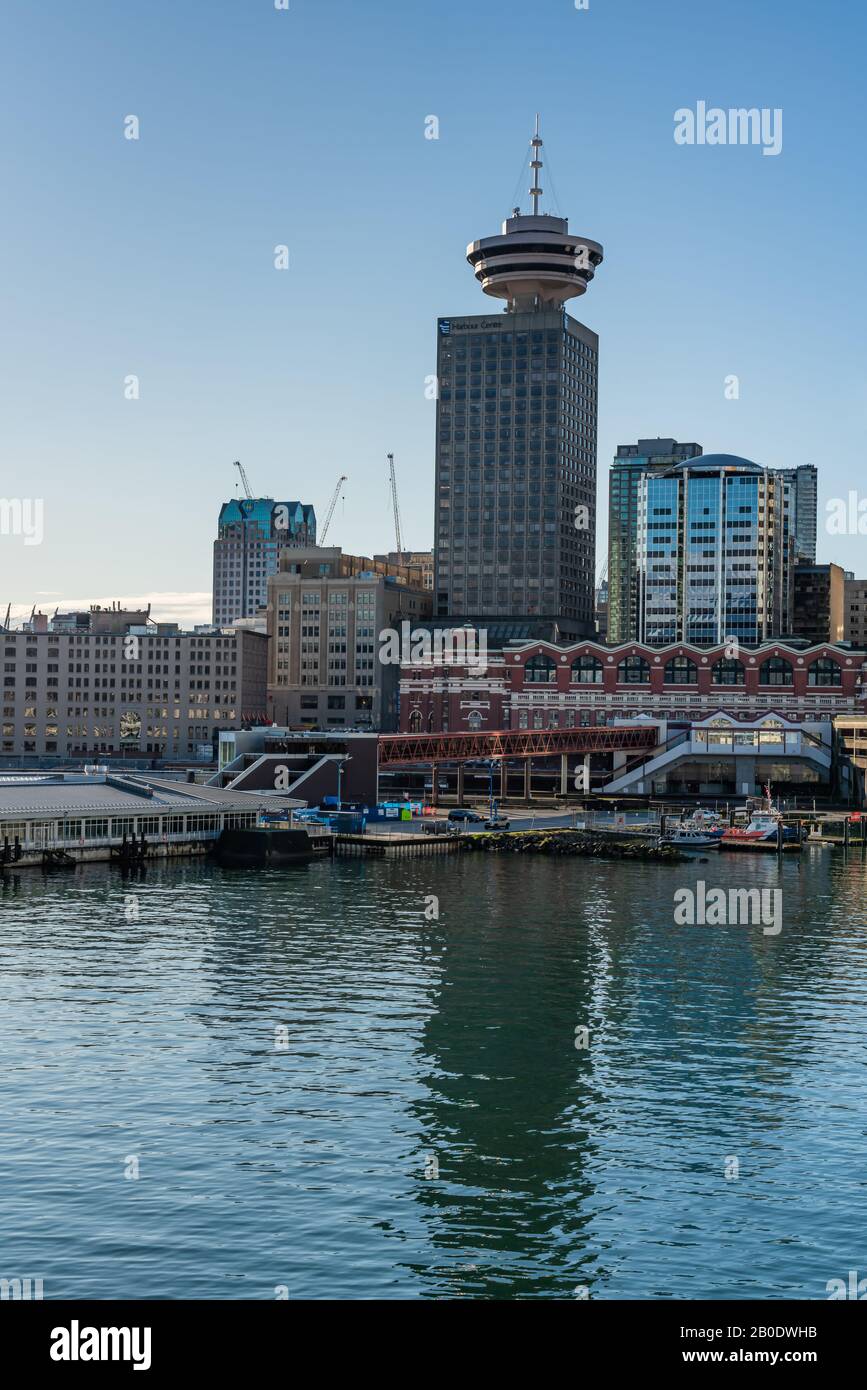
(539, 685)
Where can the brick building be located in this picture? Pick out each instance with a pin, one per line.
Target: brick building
(541, 685)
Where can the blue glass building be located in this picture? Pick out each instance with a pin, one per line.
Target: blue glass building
(715, 554)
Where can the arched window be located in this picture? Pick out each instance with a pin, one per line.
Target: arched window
(540, 670)
(633, 670)
(586, 670)
(415, 722)
(680, 671)
(775, 671)
(728, 672)
(825, 671)
(430, 721)
(475, 719)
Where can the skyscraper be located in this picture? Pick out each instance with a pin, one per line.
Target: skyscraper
(251, 532)
(803, 502)
(515, 516)
(714, 554)
(631, 462)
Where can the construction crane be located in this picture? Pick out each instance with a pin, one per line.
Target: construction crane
(248, 491)
(394, 503)
(331, 505)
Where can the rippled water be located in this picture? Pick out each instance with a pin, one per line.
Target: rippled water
(303, 1165)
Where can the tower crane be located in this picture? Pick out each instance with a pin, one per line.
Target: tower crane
(248, 492)
(331, 505)
(394, 502)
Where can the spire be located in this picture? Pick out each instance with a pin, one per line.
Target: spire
(536, 262)
(536, 165)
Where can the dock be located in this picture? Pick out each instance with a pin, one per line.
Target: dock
(387, 846)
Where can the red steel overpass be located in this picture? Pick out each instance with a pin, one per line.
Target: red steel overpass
(400, 749)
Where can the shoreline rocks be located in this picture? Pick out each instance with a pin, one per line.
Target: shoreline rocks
(574, 843)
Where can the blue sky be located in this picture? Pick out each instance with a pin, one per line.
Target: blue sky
(261, 127)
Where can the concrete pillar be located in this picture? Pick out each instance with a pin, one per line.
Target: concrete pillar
(564, 773)
(587, 772)
(504, 779)
(460, 784)
(434, 783)
(745, 771)
(528, 777)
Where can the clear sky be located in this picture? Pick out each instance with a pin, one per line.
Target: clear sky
(306, 127)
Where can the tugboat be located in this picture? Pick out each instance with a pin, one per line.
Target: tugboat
(762, 830)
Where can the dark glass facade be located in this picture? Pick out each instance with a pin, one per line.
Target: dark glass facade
(516, 469)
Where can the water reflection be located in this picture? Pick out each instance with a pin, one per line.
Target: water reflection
(142, 1016)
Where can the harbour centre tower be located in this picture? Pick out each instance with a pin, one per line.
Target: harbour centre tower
(515, 521)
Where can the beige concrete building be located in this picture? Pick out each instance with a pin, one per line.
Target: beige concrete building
(413, 559)
(106, 683)
(855, 611)
(851, 732)
(326, 611)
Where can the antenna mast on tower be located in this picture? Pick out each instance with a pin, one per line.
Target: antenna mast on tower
(536, 165)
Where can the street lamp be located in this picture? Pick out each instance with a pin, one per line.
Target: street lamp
(491, 788)
(346, 759)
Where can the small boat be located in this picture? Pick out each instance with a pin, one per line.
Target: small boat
(255, 848)
(688, 836)
(762, 830)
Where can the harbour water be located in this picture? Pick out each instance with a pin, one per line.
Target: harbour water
(307, 1083)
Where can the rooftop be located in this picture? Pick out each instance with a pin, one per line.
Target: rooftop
(104, 793)
(712, 463)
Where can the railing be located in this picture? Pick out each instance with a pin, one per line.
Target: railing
(755, 740)
(506, 743)
(34, 846)
(647, 756)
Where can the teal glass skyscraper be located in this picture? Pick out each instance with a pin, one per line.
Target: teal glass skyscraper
(251, 532)
(631, 463)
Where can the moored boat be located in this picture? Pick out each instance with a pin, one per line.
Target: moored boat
(763, 830)
(689, 837)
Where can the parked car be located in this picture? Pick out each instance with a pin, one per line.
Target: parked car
(465, 814)
(498, 823)
(437, 827)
